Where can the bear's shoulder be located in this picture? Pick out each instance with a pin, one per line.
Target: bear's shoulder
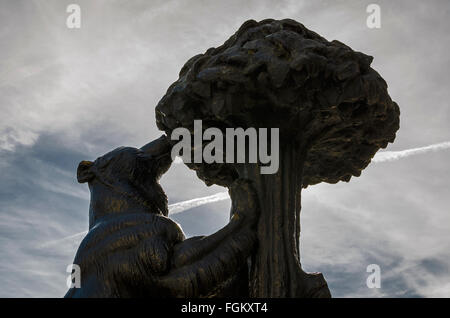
(130, 232)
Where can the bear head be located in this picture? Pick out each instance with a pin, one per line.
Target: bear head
(127, 178)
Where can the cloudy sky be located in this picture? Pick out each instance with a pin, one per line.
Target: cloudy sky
(73, 94)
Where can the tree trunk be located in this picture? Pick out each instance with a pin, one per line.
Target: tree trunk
(276, 270)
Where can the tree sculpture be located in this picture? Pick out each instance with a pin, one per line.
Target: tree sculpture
(333, 112)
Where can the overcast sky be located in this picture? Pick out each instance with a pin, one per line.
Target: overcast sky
(73, 94)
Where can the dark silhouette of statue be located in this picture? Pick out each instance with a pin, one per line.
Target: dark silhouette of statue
(133, 249)
(333, 112)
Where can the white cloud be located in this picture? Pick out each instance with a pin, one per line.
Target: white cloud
(98, 86)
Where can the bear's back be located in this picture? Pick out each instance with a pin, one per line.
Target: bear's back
(127, 249)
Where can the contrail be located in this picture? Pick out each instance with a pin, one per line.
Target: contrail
(182, 206)
(50, 243)
(189, 204)
(174, 208)
(385, 156)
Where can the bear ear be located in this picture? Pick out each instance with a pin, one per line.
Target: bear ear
(84, 171)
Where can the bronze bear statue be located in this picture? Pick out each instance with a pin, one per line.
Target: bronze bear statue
(133, 249)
